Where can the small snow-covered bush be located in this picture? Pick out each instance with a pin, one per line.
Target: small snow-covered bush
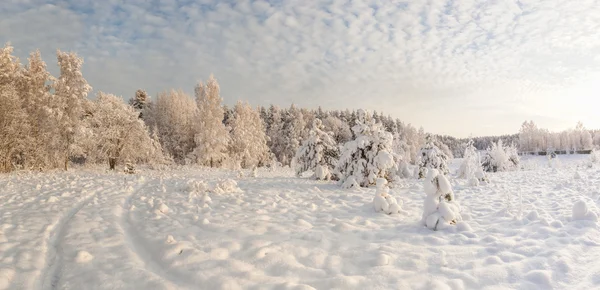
(439, 208)
(322, 172)
(581, 212)
(432, 157)
(318, 150)
(129, 168)
(197, 186)
(383, 201)
(226, 186)
(369, 156)
(500, 158)
(350, 183)
(471, 165)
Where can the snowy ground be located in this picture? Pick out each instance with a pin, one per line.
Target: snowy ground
(91, 230)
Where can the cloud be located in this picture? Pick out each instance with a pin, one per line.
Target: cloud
(456, 67)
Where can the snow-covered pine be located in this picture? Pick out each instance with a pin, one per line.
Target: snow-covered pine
(116, 134)
(471, 168)
(432, 157)
(211, 137)
(440, 208)
(276, 140)
(70, 93)
(292, 132)
(318, 153)
(140, 102)
(401, 151)
(248, 146)
(369, 156)
(383, 201)
(340, 130)
(500, 158)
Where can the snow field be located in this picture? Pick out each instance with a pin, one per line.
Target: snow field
(90, 230)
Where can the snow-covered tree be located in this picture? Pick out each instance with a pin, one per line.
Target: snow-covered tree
(173, 114)
(500, 158)
(293, 131)
(340, 130)
(117, 134)
(369, 156)
(248, 140)
(440, 208)
(212, 137)
(383, 201)
(140, 102)
(276, 138)
(471, 168)
(318, 153)
(431, 157)
(70, 91)
(471, 162)
(13, 118)
(35, 89)
(13, 128)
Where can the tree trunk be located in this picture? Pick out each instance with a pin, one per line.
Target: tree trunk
(67, 162)
(112, 162)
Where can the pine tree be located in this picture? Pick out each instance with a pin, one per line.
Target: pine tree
(500, 158)
(369, 156)
(471, 165)
(212, 137)
(318, 153)
(140, 102)
(432, 158)
(248, 139)
(293, 132)
(276, 137)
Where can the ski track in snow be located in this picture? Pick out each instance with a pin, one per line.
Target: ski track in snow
(90, 230)
(54, 257)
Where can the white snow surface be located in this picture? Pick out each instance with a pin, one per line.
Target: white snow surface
(86, 229)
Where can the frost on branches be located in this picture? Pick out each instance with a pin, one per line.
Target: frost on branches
(500, 158)
(369, 156)
(318, 153)
(471, 168)
(431, 157)
(211, 137)
(115, 134)
(439, 208)
(248, 146)
(383, 201)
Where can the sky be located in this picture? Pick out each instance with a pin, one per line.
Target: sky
(462, 68)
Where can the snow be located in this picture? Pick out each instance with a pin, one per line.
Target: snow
(527, 229)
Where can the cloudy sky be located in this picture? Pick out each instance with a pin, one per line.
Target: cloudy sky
(459, 67)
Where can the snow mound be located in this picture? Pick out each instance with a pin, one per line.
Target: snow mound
(83, 257)
(197, 186)
(581, 212)
(350, 183)
(577, 175)
(226, 186)
(322, 173)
